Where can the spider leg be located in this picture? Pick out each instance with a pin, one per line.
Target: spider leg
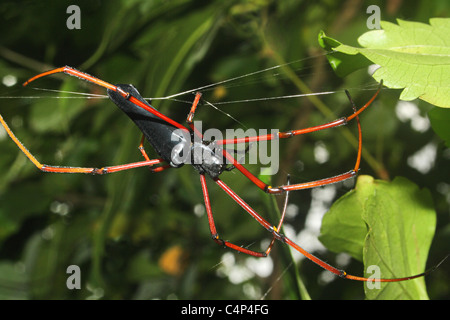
(280, 223)
(147, 158)
(288, 134)
(215, 234)
(191, 115)
(82, 75)
(279, 236)
(91, 170)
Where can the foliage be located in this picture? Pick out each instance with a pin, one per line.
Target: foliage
(386, 224)
(410, 55)
(439, 119)
(124, 229)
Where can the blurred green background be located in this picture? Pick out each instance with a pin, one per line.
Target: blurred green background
(141, 235)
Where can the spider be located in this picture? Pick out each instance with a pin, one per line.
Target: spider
(178, 145)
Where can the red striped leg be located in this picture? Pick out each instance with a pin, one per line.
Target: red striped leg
(147, 158)
(277, 235)
(215, 235)
(82, 75)
(292, 133)
(57, 169)
(288, 134)
(191, 115)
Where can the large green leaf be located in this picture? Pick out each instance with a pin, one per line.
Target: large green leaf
(389, 225)
(412, 56)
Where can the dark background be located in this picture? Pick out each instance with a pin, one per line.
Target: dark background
(134, 234)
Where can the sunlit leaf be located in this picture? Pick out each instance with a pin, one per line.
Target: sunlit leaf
(391, 226)
(340, 61)
(412, 56)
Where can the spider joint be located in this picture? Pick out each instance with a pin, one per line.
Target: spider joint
(342, 274)
(125, 95)
(277, 234)
(99, 171)
(215, 236)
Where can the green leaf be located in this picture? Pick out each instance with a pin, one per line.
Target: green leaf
(399, 222)
(340, 61)
(412, 56)
(440, 118)
(343, 229)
